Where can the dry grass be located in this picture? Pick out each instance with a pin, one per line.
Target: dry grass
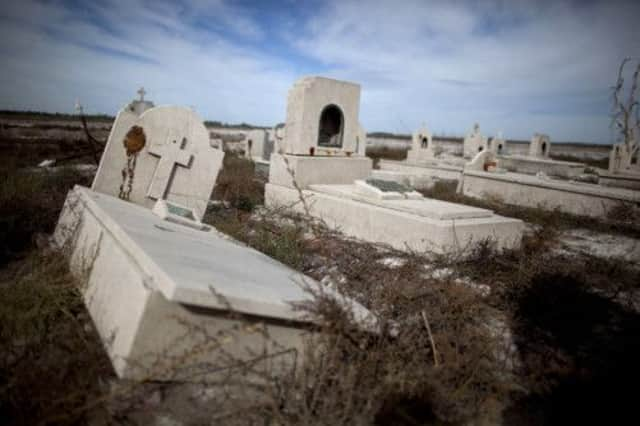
(444, 355)
(30, 203)
(386, 153)
(238, 185)
(51, 358)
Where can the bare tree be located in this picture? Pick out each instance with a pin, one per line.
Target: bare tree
(626, 109)
(94, 144)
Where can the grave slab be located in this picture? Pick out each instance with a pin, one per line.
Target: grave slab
(420, 225)
(530, 191)
(168, 299)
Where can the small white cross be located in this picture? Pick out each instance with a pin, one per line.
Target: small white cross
(141, 92)
(172, 153)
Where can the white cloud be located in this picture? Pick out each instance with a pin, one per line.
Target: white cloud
(510, 65)
(451, 63)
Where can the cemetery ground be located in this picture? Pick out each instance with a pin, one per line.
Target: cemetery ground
(546, 334)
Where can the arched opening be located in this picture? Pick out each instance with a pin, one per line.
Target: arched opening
(331, 127)
(480, 148)
(544, 148)
(249, 146)
(499, 148)
(425, 142)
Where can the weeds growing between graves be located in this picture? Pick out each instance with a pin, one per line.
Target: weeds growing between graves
(30, 203)
(378, 153)
(51, 358)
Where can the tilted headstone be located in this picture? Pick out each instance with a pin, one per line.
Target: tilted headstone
(162, 153)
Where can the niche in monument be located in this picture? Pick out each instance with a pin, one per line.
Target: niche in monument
(331, 127)
(425, 142)
(544, 148)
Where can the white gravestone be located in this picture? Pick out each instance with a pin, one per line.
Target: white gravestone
(421, 146)
(176, 161)
(256, 145)
(321, 135)
(498, 145)
(474, 142)
(540, 146)
(336, 187)
(322, 117)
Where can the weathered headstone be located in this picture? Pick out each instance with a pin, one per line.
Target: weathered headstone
(497, 145)
(540, 146)
(422, 148)
(474, 142)
(175, 162)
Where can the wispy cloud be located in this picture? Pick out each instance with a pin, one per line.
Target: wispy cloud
(512, 65)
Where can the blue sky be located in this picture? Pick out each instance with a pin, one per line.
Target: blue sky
(513, 66)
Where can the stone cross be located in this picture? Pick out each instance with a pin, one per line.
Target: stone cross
(141, 92)
(171, 154)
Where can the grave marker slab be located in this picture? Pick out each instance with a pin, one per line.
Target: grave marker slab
(177, 161)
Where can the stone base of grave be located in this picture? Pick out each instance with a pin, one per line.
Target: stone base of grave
(530, 191)
(421, 225)
(175, 303)
(620, 180)
(532, 165)
(418, 175)
(308, 170)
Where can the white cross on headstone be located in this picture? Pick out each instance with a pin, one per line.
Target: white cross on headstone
(171, 154)
(141, 92)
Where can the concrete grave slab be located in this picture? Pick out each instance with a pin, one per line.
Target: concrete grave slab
(161, 294)
(421, 225)
(531, 191)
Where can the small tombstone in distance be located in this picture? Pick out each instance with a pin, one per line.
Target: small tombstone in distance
(540, 146)
(474, 142)
(421, 146)
(498, 145)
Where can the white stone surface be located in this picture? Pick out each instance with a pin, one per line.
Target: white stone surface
(621, 158)
(415, 172)
(422, 148)
(146, 281)
(532, 165)
(620, 180)
(364, 188)
(257, 146)
(361, 141)
(427, 225)
(540, 146)
(474, 142)
(529, 191)
(498, 145)
(177, 162)
(307, 100)
(317, 170)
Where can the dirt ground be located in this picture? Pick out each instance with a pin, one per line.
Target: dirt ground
(546, 334)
